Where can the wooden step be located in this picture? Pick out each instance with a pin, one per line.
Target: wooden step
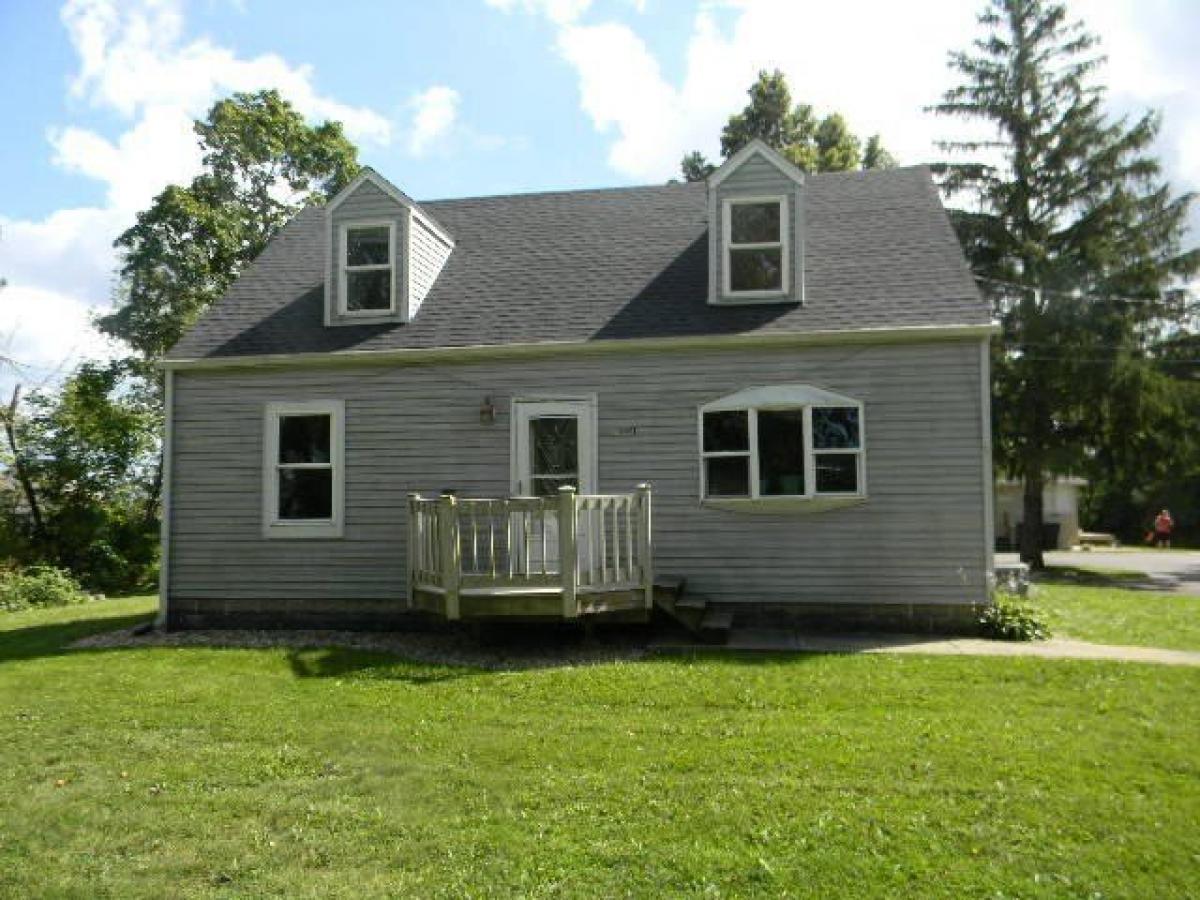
(670, 584)
(716, 624)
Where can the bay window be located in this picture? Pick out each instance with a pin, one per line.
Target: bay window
(786, 441)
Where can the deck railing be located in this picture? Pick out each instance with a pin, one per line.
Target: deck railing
(576, 544)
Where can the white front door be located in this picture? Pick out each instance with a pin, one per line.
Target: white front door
(554, 444)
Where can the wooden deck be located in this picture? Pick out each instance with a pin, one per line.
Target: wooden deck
(540, 558)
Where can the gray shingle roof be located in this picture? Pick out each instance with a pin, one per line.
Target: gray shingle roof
(615, 264)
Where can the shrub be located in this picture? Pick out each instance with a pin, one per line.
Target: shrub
(38, 587)
(1012, 618)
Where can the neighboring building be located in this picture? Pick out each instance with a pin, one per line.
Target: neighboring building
(1060, 512)
(796, 366)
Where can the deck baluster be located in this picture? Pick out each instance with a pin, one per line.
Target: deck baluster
(567, 554)
(450, 552)
(491, 520)
(629, 558)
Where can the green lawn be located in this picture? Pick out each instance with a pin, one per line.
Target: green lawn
(247, 773)
(1112, 615)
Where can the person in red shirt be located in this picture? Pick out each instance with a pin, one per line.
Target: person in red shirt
(1163, 525)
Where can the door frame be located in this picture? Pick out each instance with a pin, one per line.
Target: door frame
(584, 407)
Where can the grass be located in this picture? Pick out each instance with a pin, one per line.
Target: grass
(234, 773)
(1091, 611)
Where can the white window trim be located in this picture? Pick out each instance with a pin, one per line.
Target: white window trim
(727, 245)
(273, 526)
(344, 230)
(783, 397)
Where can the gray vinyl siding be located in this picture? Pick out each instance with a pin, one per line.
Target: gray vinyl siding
(429, 253)
(368, 204)
(756, 177)
(918, 538)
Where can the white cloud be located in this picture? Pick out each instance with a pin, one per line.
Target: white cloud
(133, 56)
(47, 333)
(69, 251)
(882, 86)
(134, 60)
(159, 149)
(434, 113)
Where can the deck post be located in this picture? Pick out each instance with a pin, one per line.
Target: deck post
(448, 542)
(412, 552)
(568, 556)
(645, 545)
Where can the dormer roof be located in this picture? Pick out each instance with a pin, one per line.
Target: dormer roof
(367, 175)
(755, 148)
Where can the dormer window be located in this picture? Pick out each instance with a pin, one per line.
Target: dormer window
(756, 246)
(367, 282)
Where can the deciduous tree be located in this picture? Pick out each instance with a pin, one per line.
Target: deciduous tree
(262, 162)
(812, 144)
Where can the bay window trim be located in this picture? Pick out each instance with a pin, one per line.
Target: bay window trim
(344, 268)
(274, 413)
(728, 246)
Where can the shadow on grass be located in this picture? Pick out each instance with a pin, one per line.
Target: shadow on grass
(55, 639)
(413, 658)
(343, 662)
(1079, 576)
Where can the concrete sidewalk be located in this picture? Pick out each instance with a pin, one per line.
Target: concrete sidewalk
(782, 640)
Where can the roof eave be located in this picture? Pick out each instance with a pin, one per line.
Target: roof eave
(422, 355)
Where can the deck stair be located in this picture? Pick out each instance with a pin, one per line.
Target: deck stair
(709, 624)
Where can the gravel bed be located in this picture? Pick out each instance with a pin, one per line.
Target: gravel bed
(498, 652)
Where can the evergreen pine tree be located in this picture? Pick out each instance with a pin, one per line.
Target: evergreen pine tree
(1073, 208)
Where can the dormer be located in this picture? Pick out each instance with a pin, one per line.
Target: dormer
(384, 253)
(756, 229)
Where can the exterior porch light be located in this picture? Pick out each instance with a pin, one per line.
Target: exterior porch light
(487, 411)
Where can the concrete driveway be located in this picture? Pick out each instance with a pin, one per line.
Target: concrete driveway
(1176, 571)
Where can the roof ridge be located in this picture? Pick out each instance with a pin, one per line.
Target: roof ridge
(573, 192)
(670, 185)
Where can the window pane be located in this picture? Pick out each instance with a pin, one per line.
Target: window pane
(837, 473)
(726, 431)
(305, 493)
(756, 270)
(304, 439)
(835, 428)
(780, 452)
(754, 223)
(727, 476)
(554, 445)
(548, 486)
(367, 247)
(369, 290)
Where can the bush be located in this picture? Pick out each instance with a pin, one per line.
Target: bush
(1012, 618)
(38, 587)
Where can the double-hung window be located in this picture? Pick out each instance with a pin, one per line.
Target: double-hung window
(790, 441)
(303, 469)
(756, 246)
(367, 281)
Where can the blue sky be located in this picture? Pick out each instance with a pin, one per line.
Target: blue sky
(463, 97)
